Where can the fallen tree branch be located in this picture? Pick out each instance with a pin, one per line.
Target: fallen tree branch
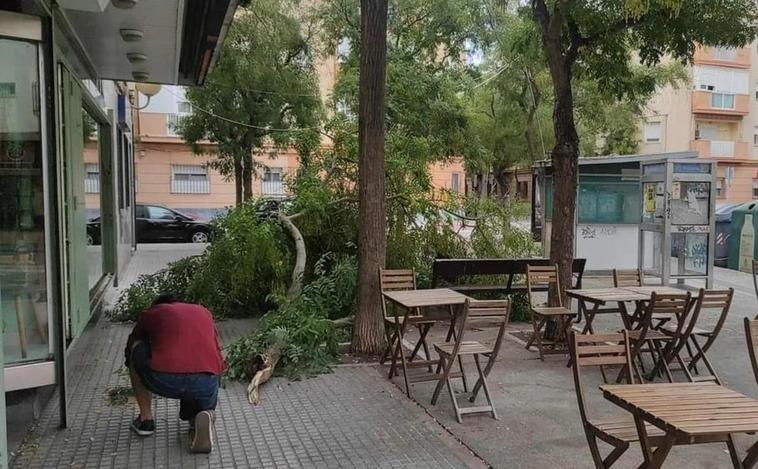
(262, 368)
(296, 286)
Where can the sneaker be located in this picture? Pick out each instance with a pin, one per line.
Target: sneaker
(143, 427)
(202, 437)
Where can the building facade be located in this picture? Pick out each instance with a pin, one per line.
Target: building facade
(169, 173)
(66, 161)
(716, 114)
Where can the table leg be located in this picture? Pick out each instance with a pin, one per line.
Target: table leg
(589, 316)
(752, 457)
(654, 459)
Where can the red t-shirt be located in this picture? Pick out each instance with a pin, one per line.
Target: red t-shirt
(183, 339)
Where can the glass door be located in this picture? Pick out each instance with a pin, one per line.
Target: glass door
(23, 254)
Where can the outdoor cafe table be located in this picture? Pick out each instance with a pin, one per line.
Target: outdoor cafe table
(599, 297)
(420, 300)
(687, 413)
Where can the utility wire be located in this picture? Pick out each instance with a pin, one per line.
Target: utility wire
(243, 124)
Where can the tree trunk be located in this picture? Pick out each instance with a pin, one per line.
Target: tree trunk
(296, 286)
(565, 160)
(237, 181)
(247, 176)
(368, 331)
(565, 153)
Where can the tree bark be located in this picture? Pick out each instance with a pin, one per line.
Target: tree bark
(247, 176)
(237, 181)
(368, 334)
(298, 271)
(565, 154)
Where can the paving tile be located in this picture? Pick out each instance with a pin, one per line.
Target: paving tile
(349, 418)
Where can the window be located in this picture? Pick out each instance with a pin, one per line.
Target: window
(721, 79)
(184, 107)
(272, 182)
(755, 135)
(755, 188)
(160, 213)
(455, 183)
(272, 175)
(653, 132)
(720, 188)
(92, 178)
(344, 109)
(7, 90)
(722, 101)
(189, 179)
(725, 53)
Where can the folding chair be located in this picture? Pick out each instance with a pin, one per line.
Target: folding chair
(603, 350)
(707, 299)
(546, 276)
(396, 324)
(495, 312)
(751, 334)
(672, 306)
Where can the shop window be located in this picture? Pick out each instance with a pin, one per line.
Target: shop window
(609, 199)
(92, 178)
(189, 179)
(653, 132)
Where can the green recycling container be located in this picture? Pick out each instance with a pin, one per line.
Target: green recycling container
(742, 243)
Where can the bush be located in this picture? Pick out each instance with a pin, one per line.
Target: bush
(246, 263)
(175, 278)
(303, 324)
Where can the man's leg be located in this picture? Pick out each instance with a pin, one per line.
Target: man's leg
(143, 395)
(200, 407)
(144, 424)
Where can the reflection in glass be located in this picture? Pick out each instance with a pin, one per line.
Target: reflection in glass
(23, 290)
(690, 203)
(92, 192)
(689, 253)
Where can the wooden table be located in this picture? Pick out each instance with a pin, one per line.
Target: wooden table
(688, 413)
(599, 297)
(411, 300)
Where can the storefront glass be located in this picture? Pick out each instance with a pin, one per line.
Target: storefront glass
(23, 287)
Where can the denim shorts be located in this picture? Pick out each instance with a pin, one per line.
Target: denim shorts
(196, 391)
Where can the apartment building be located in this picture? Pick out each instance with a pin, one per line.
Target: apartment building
(716, 114)
(167, 172)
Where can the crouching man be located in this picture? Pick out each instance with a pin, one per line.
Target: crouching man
(174, 351)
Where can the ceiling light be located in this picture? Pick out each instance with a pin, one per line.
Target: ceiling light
(136, 57)
(131, 35)
(140, 76)
(124, 4)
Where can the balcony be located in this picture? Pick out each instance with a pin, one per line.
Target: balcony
(721, 149)
(723, 57)
(172, 123)
(707, 102)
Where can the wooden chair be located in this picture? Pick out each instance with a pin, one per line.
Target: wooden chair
(706, 299)
(603, 350)
(396, 324)
(495, 312)
(667, 345)
(546, 276)
(627, 278)
(751, 334)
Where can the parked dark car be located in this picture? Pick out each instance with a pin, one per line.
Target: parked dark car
(156, 223)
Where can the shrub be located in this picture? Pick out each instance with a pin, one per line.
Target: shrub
(303, 324)
(175, 278)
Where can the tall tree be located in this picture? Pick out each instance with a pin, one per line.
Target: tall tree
(262, 91)
(368, 330)
(597, 40)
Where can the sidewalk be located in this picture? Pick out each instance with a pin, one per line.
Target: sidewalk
(352, 417)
